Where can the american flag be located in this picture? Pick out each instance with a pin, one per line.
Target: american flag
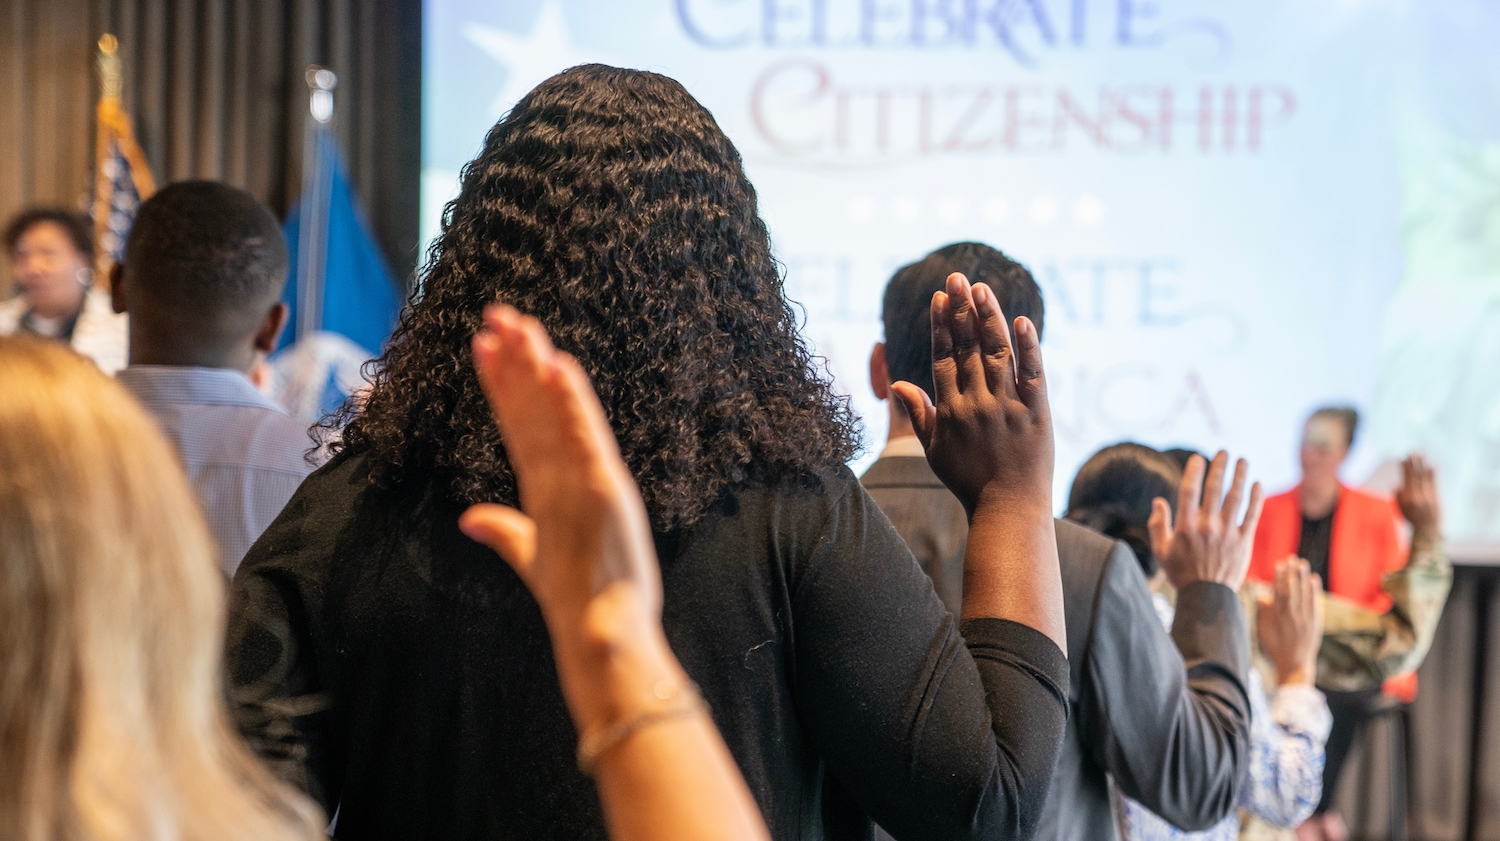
(118, 198)
(122, 178)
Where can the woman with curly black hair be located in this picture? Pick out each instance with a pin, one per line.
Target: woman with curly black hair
(402, 674)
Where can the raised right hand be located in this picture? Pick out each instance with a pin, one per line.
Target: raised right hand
(1418, 495)
(989, 436)
(584, 530)
(1289, 623)
(1205, 544)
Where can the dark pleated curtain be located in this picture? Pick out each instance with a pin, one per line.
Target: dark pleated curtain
(1454, 737)
(216, 90)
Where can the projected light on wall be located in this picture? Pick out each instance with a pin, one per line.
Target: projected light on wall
(1237, 210)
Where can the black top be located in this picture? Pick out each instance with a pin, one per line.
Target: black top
(402, 673)
(1312, 546)
(1165, 719)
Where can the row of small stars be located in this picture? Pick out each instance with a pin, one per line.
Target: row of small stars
(1043, 210)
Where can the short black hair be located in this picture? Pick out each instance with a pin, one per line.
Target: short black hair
(1347, 416)
(1181, 455)
(205, 259)
(1113, 492)
(74, 224)
(908, 301)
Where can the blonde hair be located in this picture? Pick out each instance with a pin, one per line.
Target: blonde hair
(112, 716)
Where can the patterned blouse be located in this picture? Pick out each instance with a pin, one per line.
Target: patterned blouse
(1285, 779)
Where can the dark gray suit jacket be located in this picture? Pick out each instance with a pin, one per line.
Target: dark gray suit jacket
(1166, 717)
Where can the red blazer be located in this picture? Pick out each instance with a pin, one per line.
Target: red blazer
(1364, 545)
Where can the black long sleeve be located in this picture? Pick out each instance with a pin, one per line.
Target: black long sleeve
(936, 735)
(1168, 717)
(1164, 717)
(402, 674)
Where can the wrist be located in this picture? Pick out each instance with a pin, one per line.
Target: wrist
(614, 661)
(993, 501)
(1187, 577)
(1300, 675)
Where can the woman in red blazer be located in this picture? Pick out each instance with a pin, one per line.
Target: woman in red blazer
(1349, 538)
(1347, 535)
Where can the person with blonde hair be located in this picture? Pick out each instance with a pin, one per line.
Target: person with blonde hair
(112, 717)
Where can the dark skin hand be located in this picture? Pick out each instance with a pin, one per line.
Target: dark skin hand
(989, 438)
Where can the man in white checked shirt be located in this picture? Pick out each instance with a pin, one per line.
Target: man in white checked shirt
(202, 277)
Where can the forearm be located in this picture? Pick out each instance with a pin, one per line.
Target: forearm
(1011, 568)
(1181, 744)
(1361, 647)
(1287, 765)
(1025, 679)
(671, 778)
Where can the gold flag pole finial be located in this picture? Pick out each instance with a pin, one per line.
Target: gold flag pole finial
(109, 66)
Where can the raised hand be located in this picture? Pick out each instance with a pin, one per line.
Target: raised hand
(1205, 544)
(584, 529)
(989, 435)
(1418, 495)
(989, 438)
(1289, 623)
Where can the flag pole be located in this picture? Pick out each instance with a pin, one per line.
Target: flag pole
(317, 191)
(112, 126)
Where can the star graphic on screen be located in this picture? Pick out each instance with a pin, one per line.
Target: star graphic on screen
(531, 58)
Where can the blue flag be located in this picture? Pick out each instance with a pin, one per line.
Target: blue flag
(360, 299)
(341, 293)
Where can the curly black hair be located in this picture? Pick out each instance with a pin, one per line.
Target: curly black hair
(609, 204)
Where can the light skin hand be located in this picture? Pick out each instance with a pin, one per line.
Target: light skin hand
(1418, 495)
(1205, 544)
(1289, 623)
(989, 438)
(583, 548)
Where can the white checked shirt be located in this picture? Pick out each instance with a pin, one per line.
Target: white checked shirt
(243, 454)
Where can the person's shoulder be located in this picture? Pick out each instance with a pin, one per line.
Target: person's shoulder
(1278, 514)
(1286, 497)
(1077, 545)
(795, 505)
(11, 311)
(102, 334)
(1365, 499)
(1375, 510)
(819, 488)
(287, 440)
(1099, 575)
(345, 476)
(901, 472)
(323, 513)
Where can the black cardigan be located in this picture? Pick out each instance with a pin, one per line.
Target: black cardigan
(402, 674)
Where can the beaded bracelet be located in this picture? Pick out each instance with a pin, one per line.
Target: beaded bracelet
(599, 741)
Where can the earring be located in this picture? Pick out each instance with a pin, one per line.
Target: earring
(85, 278)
